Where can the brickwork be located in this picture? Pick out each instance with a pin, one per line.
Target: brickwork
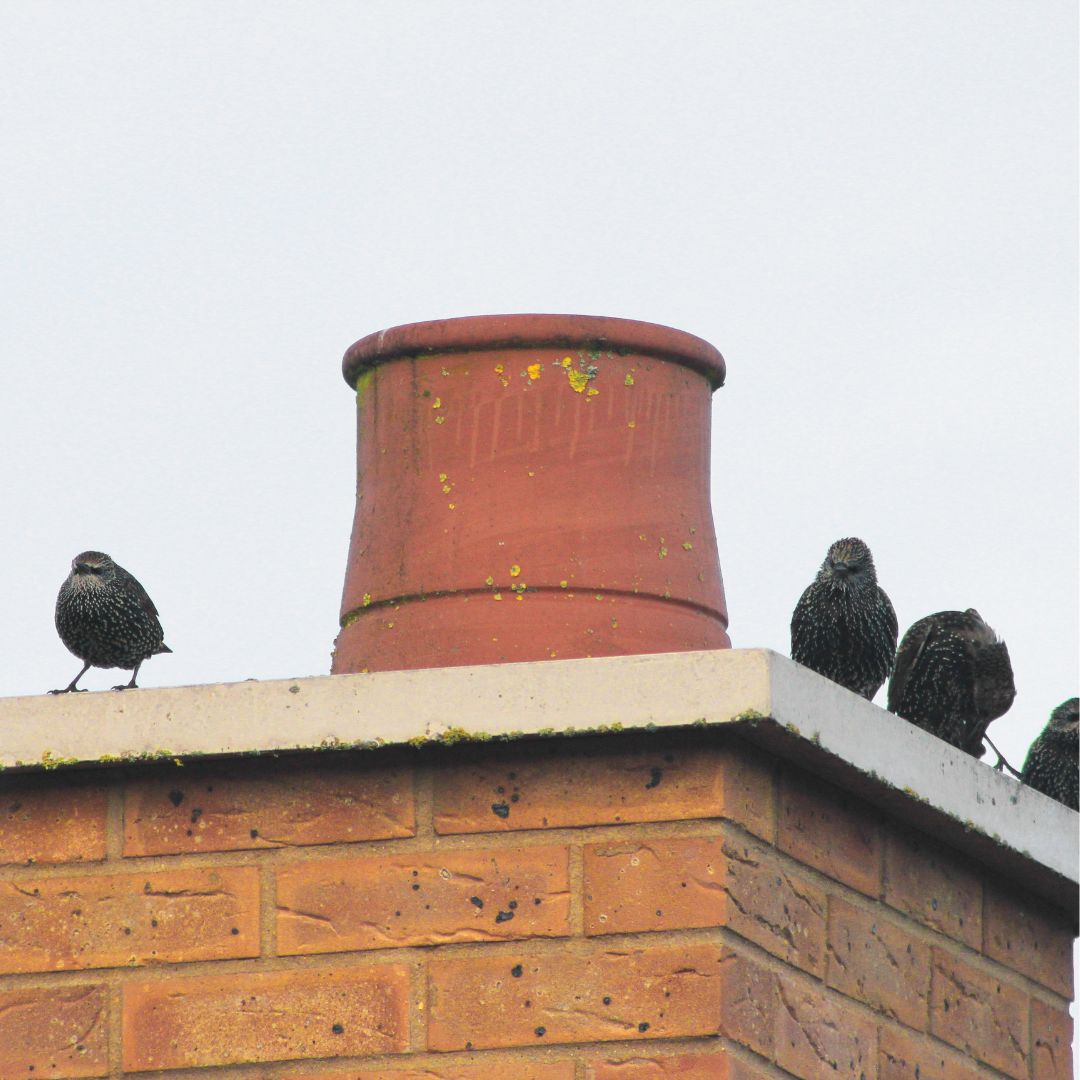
(607, 908)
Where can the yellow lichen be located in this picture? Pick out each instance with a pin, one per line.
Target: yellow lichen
(535, 370)
(499, 369)
(578, 381)
(442, 478)
(566, 361)
(452, 506)
(687, 546)
(497, 596)
(515, 570)
(440, 419)
(629, 380)
(662, 553)
(563, 584)
(489, 580)
(367, 600)
(631, 423)
(592, 392)
(437, 403)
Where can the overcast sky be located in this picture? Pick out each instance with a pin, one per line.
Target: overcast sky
(870, 209)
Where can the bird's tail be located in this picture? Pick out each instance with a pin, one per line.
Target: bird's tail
(162, 648)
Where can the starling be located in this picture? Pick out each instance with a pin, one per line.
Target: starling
(1052, 762)
(105, 618)
(844, 626)
(952, 678)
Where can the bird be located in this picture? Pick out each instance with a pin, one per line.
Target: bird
(105, 617)
(1051, 765)
(952, 677)
(844, 626)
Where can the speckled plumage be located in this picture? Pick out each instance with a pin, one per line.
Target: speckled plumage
(952, 678)
(1053, 762)
(844, 626)
(105, 617)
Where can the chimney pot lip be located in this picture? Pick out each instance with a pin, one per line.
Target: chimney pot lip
(476, 333)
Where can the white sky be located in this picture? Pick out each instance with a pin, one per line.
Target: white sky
(870, 209)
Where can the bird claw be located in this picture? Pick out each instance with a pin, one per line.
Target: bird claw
(126, 686)
(70, 690)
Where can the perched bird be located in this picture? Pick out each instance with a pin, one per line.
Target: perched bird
(105, 618)
(952, 678)
(844, 626)
(1052, 764)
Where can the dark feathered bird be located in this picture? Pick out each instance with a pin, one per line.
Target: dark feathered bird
(105, 618)
(952, 678)
(1052, 764)
(844, 626)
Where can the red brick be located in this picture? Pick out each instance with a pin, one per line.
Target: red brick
(61, 1031)
(673, 883)
(878, 962)
(422, 899)
(655, 884)
(782, 912)
(491, 1067)
(934, 885)
(819, 1035)
(518, 999)
(109, 920)
(52, 823)
(714, 1066)
(1051, 1042)
(548, 785)
(979, 1014)
(824, 828)
(259, 805)
(1025, 935)
(265, 1016)
(905, 1055)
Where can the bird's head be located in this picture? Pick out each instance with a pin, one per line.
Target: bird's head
(849, 564)
(1065, 721)
(92, 567)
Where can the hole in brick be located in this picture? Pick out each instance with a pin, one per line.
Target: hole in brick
(196, 813)
(416, 887)
(500, 809)
(541, 1032)
(476, 901)
(515, 797)
(176, 797)
(655, 776)
(517, 971)
(537, 900)
(504, 916)
(254, 833)
(607, 1001)
(338, 1029)
(234, 930)
(643, 1027)
(512, 905)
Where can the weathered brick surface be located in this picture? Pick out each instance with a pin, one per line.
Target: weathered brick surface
(56, 1032)
(819, 1036)
(906, 1055)
(422, 899)
(1027, 937)
(1051, 1042)
(265, 1016)
(781, 911)
(824, 828)
(520, 999)
(672, 883)
(493, 1066)
(933, 884)
(105, 920)
(655, 884)
(708, 1066)
(267, 804)
(876, 960)
(979, 1014)
(543, 786)
(52, 823)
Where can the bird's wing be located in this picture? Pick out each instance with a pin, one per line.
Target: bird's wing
(133, 588)
(915, 643)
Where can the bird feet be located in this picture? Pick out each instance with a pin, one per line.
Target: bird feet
(126, 686)
(69, 690)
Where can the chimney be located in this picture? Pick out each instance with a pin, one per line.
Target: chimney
(640, 854)
(530, 487)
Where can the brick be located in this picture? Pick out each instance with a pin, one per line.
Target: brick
(782, 912)
(52, 823)
(261, 805)
(714, 1066)
(567, 783)
(61, 1031)
(1028, 937)
(674, 883)
(979, 1014)
(905, 1055)
(934, 885)
(109, 920)
(492, 1067)
(516, 999)
(1051, 1042)
(423, 899)
(819, 1035)
(876, 961)
(265, 1016)
(824, 828)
